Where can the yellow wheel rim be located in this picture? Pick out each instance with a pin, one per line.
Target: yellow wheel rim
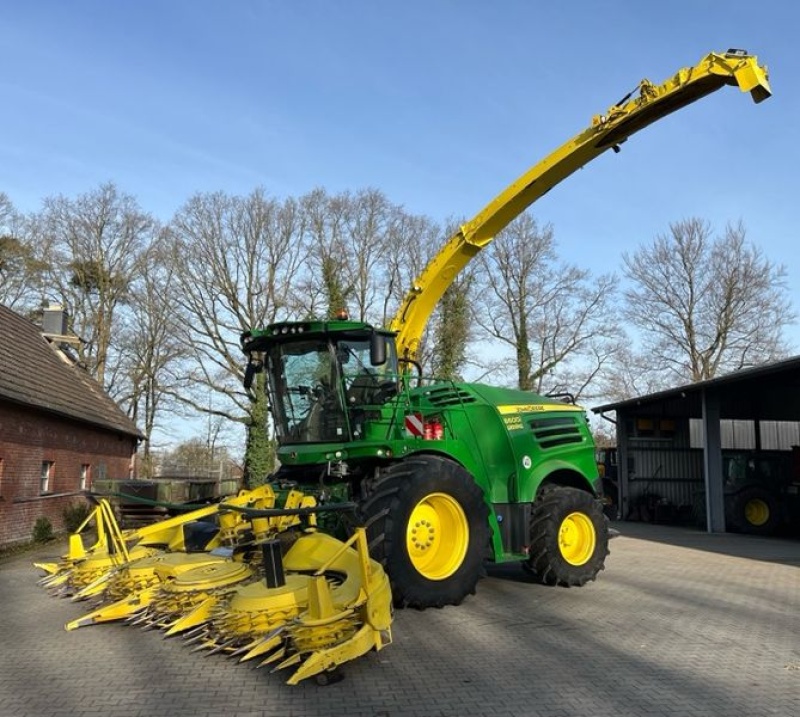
(577, 538)
(756, 512)
(437, 536)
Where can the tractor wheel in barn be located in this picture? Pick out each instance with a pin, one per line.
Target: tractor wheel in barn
(753, 510)
(428, 524)
(568, 537)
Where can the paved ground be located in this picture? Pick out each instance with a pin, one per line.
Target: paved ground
(680, 623)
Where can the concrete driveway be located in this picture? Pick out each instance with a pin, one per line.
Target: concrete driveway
(680, 623)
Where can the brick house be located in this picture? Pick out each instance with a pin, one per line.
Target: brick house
(59, 430)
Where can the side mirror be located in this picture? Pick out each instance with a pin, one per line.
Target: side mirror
(254, 366)
(377, 349)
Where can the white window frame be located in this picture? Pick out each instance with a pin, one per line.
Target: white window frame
(46, 476)
(86, 474)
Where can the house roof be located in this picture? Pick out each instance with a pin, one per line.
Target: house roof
(36, 373)
(769, 392)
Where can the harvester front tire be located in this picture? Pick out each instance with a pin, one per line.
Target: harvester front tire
(569, 537)
(428, 525)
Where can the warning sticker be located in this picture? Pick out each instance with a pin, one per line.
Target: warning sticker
(414, 425)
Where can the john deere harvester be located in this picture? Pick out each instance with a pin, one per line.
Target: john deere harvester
(445, 474)
(441, 476)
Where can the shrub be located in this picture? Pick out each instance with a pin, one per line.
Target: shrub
(74, 515)
(43, 530)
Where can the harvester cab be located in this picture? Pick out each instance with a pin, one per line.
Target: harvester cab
(325, 380)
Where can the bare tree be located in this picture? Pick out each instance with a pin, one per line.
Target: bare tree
(93, 247)
(325, 289)
(364, 254)
(150, 361)
(368, 224)
(411, 241)
(237, 261)
(550, 315)
(706, 306)
(6, 209)
(590, 374)
(347, 234)
(631, 373)
(21, 271)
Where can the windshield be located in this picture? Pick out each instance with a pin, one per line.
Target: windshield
(322, 391)
(305, 397)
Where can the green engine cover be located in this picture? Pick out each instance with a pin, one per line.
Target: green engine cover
(509, 440)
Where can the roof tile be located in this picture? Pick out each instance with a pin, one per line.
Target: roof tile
(35, 373)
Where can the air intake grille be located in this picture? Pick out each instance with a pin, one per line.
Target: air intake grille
(553, 432)
(446, 396)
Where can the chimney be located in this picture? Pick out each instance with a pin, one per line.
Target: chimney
(54, 321)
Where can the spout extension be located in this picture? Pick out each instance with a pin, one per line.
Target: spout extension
(748, 74)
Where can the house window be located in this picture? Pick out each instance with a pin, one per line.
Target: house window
(46, 477)
(85, 476)
(1, 476)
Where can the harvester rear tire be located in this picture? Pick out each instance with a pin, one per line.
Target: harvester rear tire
(569, 537)
(428, 525)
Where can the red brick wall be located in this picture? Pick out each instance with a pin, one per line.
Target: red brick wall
(27, 439)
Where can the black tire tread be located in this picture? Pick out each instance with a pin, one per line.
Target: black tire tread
(545, 560)
(385, 509)
(736, 513)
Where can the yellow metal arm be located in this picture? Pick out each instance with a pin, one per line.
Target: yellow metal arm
(624, 119)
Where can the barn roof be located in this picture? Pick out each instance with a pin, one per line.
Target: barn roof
(767, 392)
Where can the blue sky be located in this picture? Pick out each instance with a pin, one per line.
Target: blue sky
(438, 104)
